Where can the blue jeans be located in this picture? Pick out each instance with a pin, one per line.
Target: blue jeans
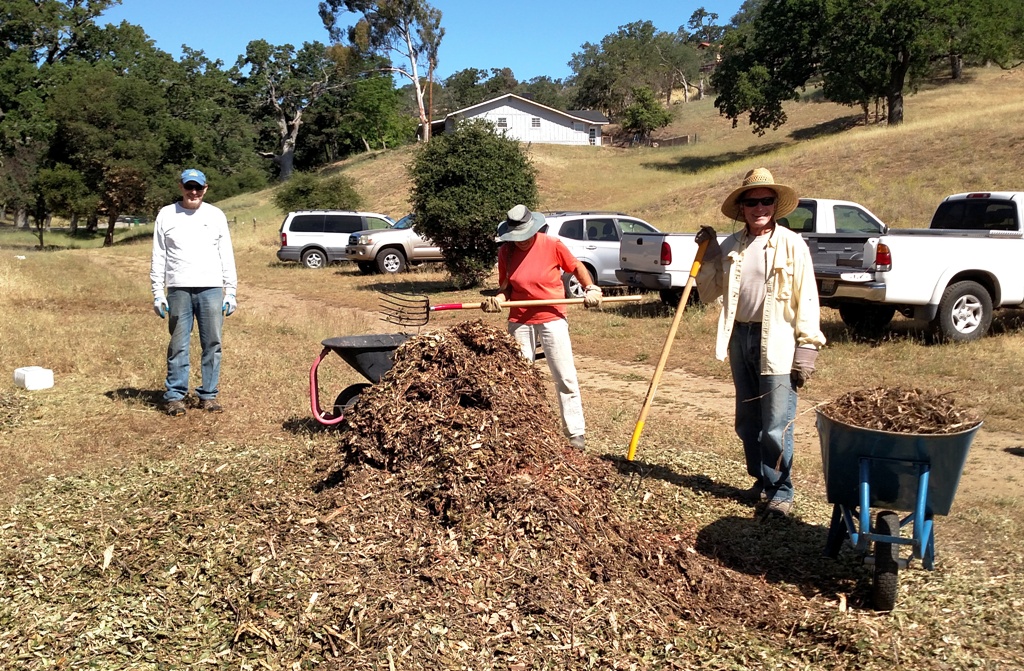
(185, 305)
(765, 414)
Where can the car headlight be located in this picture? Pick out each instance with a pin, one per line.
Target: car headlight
(364, 239)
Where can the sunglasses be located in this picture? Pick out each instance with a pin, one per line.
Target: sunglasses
(754, 202)
(192, 186)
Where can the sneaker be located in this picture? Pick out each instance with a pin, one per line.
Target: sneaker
(175, 408)
(578, 442)
(210, 405)
(779, 508)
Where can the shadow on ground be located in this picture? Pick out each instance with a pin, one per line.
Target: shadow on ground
(147, 397)
(781, 550)
(694, 164)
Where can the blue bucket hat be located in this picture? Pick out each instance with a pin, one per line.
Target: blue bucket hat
(520, 225)
(193, 175)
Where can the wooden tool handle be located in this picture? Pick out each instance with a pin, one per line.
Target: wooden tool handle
(535, 303)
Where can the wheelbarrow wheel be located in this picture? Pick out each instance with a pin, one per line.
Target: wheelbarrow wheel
(887, 567)
(347, 398)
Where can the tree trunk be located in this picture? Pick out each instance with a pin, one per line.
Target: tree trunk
(956, 66)
(108, 239)
(21, 218)
(894, 102)
(93, 223)
(700, 89)
(74, 223)
(894, 97)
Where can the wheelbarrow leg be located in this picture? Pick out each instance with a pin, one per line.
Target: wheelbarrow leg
(837, 533)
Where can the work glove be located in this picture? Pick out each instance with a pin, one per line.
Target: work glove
(493, 303)
(713, 250)
(803, 366)
(160, 307)
(592, 297)
(705, 233)
(229, 305)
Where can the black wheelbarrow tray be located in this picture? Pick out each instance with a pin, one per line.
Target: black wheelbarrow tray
(914, 473)
(371, 355)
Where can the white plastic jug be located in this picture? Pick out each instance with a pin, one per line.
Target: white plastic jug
(33, 377)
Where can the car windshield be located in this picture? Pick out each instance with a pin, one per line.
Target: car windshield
(404, 222)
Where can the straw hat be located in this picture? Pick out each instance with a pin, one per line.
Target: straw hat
(760, 178)
(521, 224)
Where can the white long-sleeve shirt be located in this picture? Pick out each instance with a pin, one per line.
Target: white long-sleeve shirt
(192, 248)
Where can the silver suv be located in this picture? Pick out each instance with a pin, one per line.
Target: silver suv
(393, 250)
(318, 237)
(593, 238)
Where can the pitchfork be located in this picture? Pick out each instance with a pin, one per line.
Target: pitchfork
(414, 310)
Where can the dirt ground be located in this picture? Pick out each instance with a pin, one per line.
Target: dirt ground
(994, 458)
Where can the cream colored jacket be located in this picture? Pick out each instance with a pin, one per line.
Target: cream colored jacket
(791, 314)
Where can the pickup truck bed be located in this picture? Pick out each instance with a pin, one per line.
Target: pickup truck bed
(835, 230)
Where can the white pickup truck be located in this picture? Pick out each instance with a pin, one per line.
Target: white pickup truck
(835, 230)
(952, 275)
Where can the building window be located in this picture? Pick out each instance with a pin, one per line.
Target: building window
(535, 122)
(502, 122)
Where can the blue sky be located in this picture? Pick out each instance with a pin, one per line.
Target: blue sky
(533, 37)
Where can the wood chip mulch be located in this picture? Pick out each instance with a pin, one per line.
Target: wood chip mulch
(491, 522)
(898, 410)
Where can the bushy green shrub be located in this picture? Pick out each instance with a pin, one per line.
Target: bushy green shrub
(305, 191)
(463, 184)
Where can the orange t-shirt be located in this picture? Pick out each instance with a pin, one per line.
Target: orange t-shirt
(535, 274)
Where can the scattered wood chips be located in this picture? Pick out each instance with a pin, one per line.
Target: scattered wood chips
(899, 410)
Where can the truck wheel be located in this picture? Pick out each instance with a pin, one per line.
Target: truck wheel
(314, 258)
(390, 261)
(965, 313)
(887, 576)
(866, 320)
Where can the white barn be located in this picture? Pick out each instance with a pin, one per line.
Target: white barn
(528, 121)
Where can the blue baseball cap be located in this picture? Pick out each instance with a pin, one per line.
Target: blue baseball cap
(193, 175)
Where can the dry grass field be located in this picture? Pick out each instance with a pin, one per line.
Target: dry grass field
(132, 540)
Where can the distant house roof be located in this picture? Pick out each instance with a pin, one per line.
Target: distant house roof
(589, 116)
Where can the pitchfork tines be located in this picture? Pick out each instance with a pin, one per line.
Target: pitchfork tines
(405, 309)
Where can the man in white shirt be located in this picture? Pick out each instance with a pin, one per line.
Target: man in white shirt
(194, 281)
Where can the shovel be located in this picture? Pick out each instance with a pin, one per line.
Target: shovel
(690, 281)
(414, 310)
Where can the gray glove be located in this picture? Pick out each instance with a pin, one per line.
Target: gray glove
(592, 297)
(803, 366)
(160, 307)
(493, 303)
(705, 233)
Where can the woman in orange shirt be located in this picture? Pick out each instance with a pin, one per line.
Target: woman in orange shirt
(530, 268)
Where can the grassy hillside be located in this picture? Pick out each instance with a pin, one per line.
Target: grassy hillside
(956, 137)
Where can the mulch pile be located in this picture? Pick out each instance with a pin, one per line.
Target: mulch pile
(508, 534)
(899, 410)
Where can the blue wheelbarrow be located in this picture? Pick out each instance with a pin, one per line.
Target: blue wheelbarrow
(371, 355)
(897, 472)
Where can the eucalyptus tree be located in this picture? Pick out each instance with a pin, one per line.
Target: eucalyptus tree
(406, 33)
(280, 84)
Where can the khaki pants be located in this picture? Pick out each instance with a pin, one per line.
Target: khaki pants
(554, 340)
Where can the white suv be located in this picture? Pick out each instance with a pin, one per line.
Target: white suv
(318, 237)
(593, 238)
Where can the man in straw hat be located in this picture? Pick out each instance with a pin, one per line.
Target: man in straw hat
(530, 267)
(769, 326)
